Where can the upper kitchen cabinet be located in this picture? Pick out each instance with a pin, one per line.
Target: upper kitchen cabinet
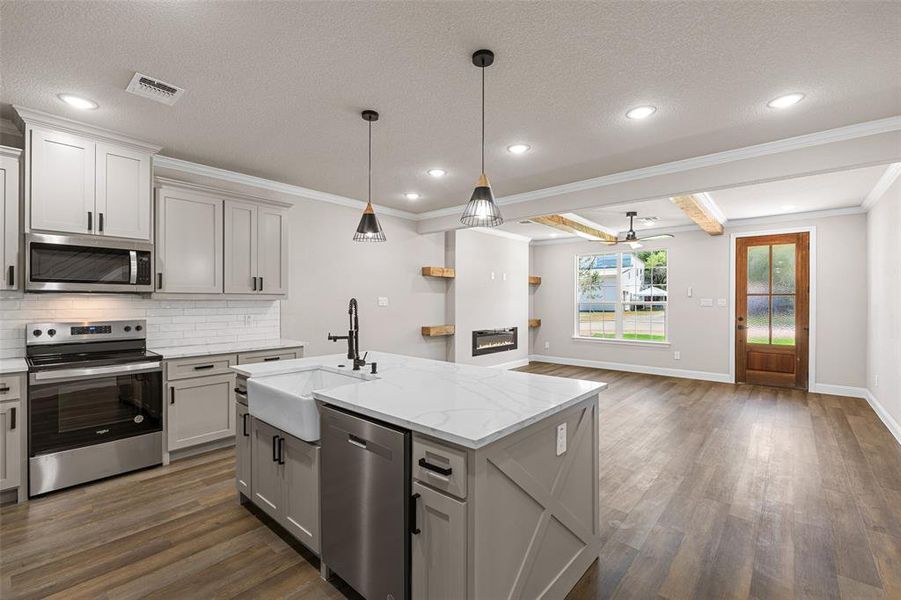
(256, 253)
(85, 180)
(9, 217)
(273, 250)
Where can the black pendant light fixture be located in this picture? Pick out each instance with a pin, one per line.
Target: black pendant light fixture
(369, 229)
(482, 211)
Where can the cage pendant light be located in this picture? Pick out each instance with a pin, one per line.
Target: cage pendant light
(482, 211)
(369, 229)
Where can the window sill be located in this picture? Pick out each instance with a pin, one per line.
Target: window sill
(621, 342)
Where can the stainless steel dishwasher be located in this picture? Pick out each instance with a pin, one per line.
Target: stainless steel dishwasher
(365, 504)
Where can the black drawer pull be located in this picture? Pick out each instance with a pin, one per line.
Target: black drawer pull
(271, 358)
(440, 470)
(240, 392)
(244, 419)
(413, 528)
(12, 418)
(4, 389)
(203, 367)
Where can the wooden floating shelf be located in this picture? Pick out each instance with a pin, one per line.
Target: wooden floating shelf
(534, 323)
(437, 330)
(445, 272)
(534, 280)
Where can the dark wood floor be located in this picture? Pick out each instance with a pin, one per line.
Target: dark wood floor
(707, 491)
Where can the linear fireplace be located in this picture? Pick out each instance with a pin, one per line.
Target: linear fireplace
(488, 341)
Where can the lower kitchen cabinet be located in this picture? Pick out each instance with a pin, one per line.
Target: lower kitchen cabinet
(243, 450)
(439, 549)
(266, 476)
(200, 410)
(10, 444)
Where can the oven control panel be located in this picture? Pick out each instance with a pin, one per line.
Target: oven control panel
(83, 331)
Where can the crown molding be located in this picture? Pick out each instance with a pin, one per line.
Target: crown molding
(36, 118)
(164, 182)
(9, 152)
(882, 185)
(809, 140)
(295, 191)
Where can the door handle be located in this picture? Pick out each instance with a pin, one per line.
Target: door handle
(413, 528)
(101, 222)
(172, 395)
(356, 441)
(275, 448)
(159, 281)
(261, 284)
(12, 418)
(281, 450)
(90, 221)
(11, 275)
(244, 423)
(254, 283)
(446, 471)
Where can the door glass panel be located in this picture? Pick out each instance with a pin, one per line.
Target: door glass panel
(783, 269)
(784, 320)
(758, 319)
(758, 269)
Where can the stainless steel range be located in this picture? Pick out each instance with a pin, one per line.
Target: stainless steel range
(95, 402)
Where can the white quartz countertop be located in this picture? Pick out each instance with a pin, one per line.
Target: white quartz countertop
(8, 366)
(227, 348)
(462, 404)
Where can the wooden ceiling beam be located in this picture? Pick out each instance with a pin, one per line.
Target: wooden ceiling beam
(569, 226)
(698, 209)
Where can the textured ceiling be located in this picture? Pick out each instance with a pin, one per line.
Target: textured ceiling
(275, 89)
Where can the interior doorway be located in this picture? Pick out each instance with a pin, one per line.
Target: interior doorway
(772, 306)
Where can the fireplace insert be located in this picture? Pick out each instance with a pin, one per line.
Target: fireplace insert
(488, 341)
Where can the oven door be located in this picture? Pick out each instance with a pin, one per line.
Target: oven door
(87, 264)
(72, 408)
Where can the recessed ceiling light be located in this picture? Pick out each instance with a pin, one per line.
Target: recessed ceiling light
(788, 207)
(518, 148)
(641, 112)
(785, 101)
(437, 172)
(411, 196)
(78, 102)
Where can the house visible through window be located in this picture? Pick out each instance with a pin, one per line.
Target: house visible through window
(622, 295)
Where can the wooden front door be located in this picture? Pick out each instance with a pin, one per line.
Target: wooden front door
(771, 309)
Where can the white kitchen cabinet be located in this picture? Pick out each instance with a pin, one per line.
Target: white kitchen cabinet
(273, 251)
(256, 253)
(189, 250)
(438, 550)
(10, 444)
(243, 450)
(62, 182)
(9, 218)
(200, 410)
(301, 495)
(123, 192)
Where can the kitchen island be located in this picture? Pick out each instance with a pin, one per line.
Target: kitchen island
(501, 470)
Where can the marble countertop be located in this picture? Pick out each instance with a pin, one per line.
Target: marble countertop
(227, 348)
(8, 366)
(462, 404)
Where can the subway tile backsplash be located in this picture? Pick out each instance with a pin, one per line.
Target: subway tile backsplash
(169, 322)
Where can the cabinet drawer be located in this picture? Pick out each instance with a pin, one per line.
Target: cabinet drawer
(268, 356)
(200, 366)
(10, 387)
(439, 466)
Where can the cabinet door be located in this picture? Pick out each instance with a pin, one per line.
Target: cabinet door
(62, 183)
(10, 458)
(439, 550)
(273, 258)
(188, 243)
(123, 192)
(241, 276)
(243, 450)
(267, 481)
(301, 503)
(9, 223)
(200, 410)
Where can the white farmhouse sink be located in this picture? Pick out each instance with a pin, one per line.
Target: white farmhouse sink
(286, 401)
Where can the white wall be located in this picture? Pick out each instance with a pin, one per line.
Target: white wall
(169, 322)
(327, 268)
(701, 334)
(482, 302)
(884, 292)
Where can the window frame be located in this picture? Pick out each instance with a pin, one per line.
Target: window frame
(618, 303)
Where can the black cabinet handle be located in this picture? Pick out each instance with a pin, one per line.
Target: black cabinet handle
(11, 275)
(271, 358)
(413, 528)
(261, 284)
(159, 281)
(254, 283)
(240, 391)
(171, 395)
(203, 367)
(101, 221)
(440, 470)
(244, 419)
(275, 448)
(281, 450)
(4, 389)
(90, 221)
(12, 418)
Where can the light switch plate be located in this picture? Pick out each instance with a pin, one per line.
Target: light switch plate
(689, 291)
(561, 438)
(706, 301)
(383, 300)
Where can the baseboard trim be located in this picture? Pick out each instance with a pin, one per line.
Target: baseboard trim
(513, 364)
(839, 390)
(613, 366)
(892, 425)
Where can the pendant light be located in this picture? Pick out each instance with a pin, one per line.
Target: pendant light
(369, 229)
(482, 211)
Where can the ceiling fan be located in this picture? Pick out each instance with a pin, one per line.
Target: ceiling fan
(631, 238)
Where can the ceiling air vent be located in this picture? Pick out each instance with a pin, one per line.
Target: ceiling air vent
(160, 91)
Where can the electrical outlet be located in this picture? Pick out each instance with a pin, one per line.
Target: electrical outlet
(689, 291)
(677, 355)
(547, 345)
(492, 276)
(383, 300)
(561, 438)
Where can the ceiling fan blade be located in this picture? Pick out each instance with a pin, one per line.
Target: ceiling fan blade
(661, 236)
(609, 242)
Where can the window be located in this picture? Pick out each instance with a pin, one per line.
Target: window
(622, 296)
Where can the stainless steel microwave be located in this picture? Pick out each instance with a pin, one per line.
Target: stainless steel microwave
(63, 263)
